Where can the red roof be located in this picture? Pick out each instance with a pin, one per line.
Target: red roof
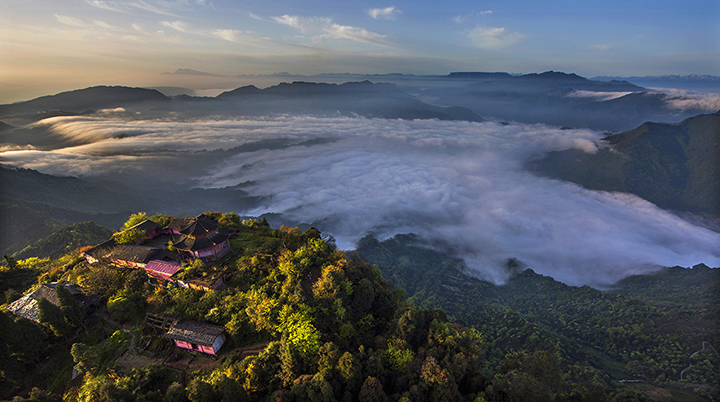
(166, 268)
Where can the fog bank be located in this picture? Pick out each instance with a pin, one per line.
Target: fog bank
(458, 183)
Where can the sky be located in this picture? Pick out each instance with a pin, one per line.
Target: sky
(51, 45)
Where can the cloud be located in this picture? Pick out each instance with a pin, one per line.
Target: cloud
(462, 17)
(103, 24)
(388, 13)
(459, 183)
(256, 17)
(494, 38)
(602, 47)
(64, 19)
(686, 100)
(356, 34)
(177, 25)
(142, 5)
(325, 28)
(296, 22)
(600, 96)
(107, 5)
(231, 35)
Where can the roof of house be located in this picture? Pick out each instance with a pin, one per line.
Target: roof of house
(194, 332)
(129, 252)
(185, 242)
(147, 225)
(163, 267)
(198, 227)
(27, 306)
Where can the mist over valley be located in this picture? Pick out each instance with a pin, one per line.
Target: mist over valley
(358, 158)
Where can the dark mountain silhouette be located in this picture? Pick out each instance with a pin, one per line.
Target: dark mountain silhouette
(352, 98)
(554, 79)
(559, 99)
(675, 166)
(304, 89)
(693, 82)
(190, 71)
(242, 91)
(5, 127)
(67, 199)
(93, 98)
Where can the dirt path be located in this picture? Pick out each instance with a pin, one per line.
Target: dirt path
(691, 356)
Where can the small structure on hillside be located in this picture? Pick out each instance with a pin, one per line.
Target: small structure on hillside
(193, 335)
(200, 237)
(162, 270)
(127, 255)
(27, 306)
(150, 228)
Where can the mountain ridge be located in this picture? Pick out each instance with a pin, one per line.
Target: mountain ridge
(675, 166)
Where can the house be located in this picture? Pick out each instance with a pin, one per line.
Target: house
(193, 335)
(200, 237)
(150, 228)
(127, 255)
(163, 270)
(27, 306)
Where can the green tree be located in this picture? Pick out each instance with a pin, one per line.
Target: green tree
(230, 219)
(175, 393)
(372, 391)
(71, 308)
(200, 391)
(102, 281)
(52, 316)
(130, 236)
(135, 219)
(127, 305)
(38, 395)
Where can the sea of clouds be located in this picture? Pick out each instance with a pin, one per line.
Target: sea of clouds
(461, 184)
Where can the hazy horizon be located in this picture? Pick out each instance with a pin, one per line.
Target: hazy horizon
(49, 47)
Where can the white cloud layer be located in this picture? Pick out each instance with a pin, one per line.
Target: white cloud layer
(459, 183)
(686, 100)
(600, 96)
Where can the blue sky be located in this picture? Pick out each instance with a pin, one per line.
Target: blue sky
(74, 43)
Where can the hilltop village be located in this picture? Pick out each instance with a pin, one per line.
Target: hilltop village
(213, 308)
(184, 253)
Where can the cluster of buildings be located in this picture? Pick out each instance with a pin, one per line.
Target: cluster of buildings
(197, 238)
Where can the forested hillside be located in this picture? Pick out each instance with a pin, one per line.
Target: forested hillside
(308, 322)
(644, 330)
(675, 166)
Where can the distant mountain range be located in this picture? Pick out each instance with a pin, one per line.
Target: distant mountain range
(675, 166)
(560, 99)
(695, 82)
(352, 98)
(553, 98)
